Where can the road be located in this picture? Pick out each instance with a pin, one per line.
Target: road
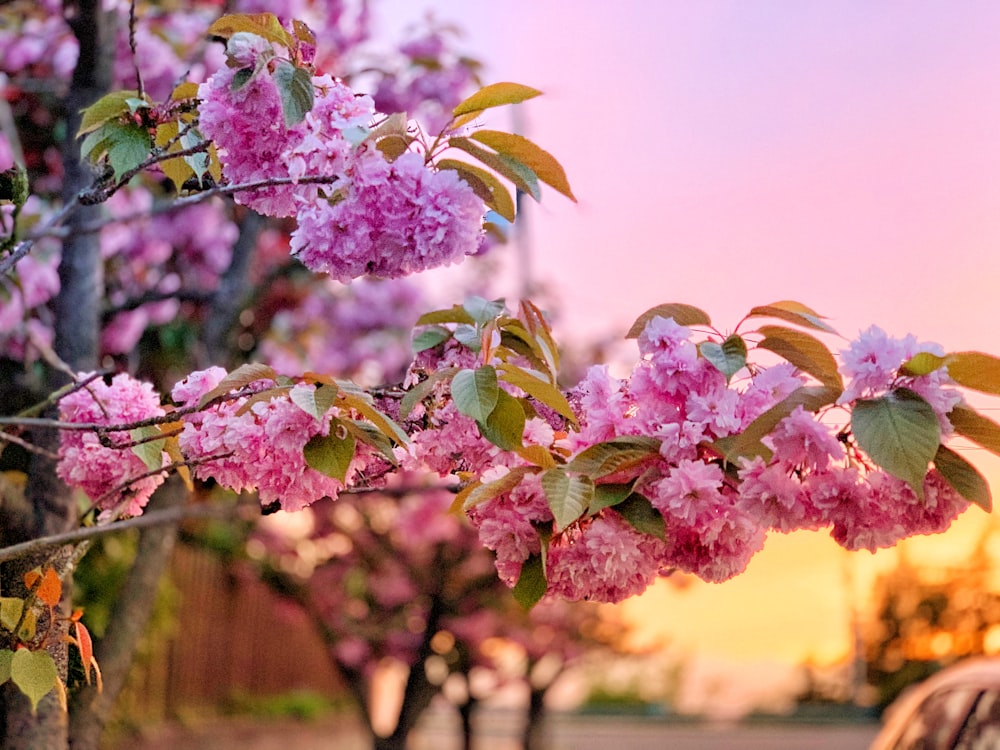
(499, 732)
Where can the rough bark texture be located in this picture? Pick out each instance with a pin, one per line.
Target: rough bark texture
(77, 311)
(90, 711)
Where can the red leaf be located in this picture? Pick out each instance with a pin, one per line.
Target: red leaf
(86, 646)
(49, 590)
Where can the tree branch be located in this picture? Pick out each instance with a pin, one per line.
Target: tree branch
(148, 519)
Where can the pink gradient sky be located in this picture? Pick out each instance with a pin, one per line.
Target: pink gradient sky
(728, 154)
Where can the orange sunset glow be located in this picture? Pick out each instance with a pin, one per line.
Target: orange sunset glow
(728, 154)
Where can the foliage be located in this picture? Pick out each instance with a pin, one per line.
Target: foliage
(926, 618)
(715, 439)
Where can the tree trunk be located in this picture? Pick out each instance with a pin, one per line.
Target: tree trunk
(466, 710)
(77, 314)
(89, 709)
(535, 729)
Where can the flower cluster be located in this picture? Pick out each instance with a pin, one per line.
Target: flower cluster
(381, 218)
(255, 445)
(394, 219)
(103, 465)
(714, 520)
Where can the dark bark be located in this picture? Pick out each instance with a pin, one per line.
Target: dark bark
(77, 309)
(234, 287)
(535, 730)
(78, 305)
(90, 711)
(465, 711)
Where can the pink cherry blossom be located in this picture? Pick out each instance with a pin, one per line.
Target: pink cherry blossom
(108, 473)
(391, 219)
(260, 448)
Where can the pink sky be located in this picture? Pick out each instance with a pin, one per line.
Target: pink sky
(728, 154)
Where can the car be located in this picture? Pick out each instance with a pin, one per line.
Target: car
(956, 709)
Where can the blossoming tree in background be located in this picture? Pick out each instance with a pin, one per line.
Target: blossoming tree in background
(715, 439)
(393, 581)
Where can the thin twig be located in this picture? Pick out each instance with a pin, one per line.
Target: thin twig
(152, 518)
(204, 195)
(30, 447)
(56, 424)
(135, 57)
(24, 247)
(100, 194)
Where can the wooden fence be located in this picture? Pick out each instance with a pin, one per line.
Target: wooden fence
(231, 636)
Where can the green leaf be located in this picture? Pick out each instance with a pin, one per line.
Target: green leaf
(922, 363)
(614, 455)
(609, 495)
(521, 175)
(539, 161)
(644, 518)
(296, 89)
(975, 370)
(454, 314)
(495, 95)
(354, 398)
(108, 107)
(483, 310)
(793, 312)
(475, 392)
(531, 584)
(964, 477)
(151, 453)
(806, 352)
(430, 337)
(242, 376)
(34, 673)
(11, 609)
(490, 190)
(900, 432)
(972, 425)
(6, 655)
(128, 147)
(568, 495)
(264, 25)
(369, 434)
(540, 390)
(469, 336)
(330, 454)
(505, 425)
(314, 401)
(422, 390)
(95, 145)
(729, 357)
(241, 78)
(683, 315)
(748, 443)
